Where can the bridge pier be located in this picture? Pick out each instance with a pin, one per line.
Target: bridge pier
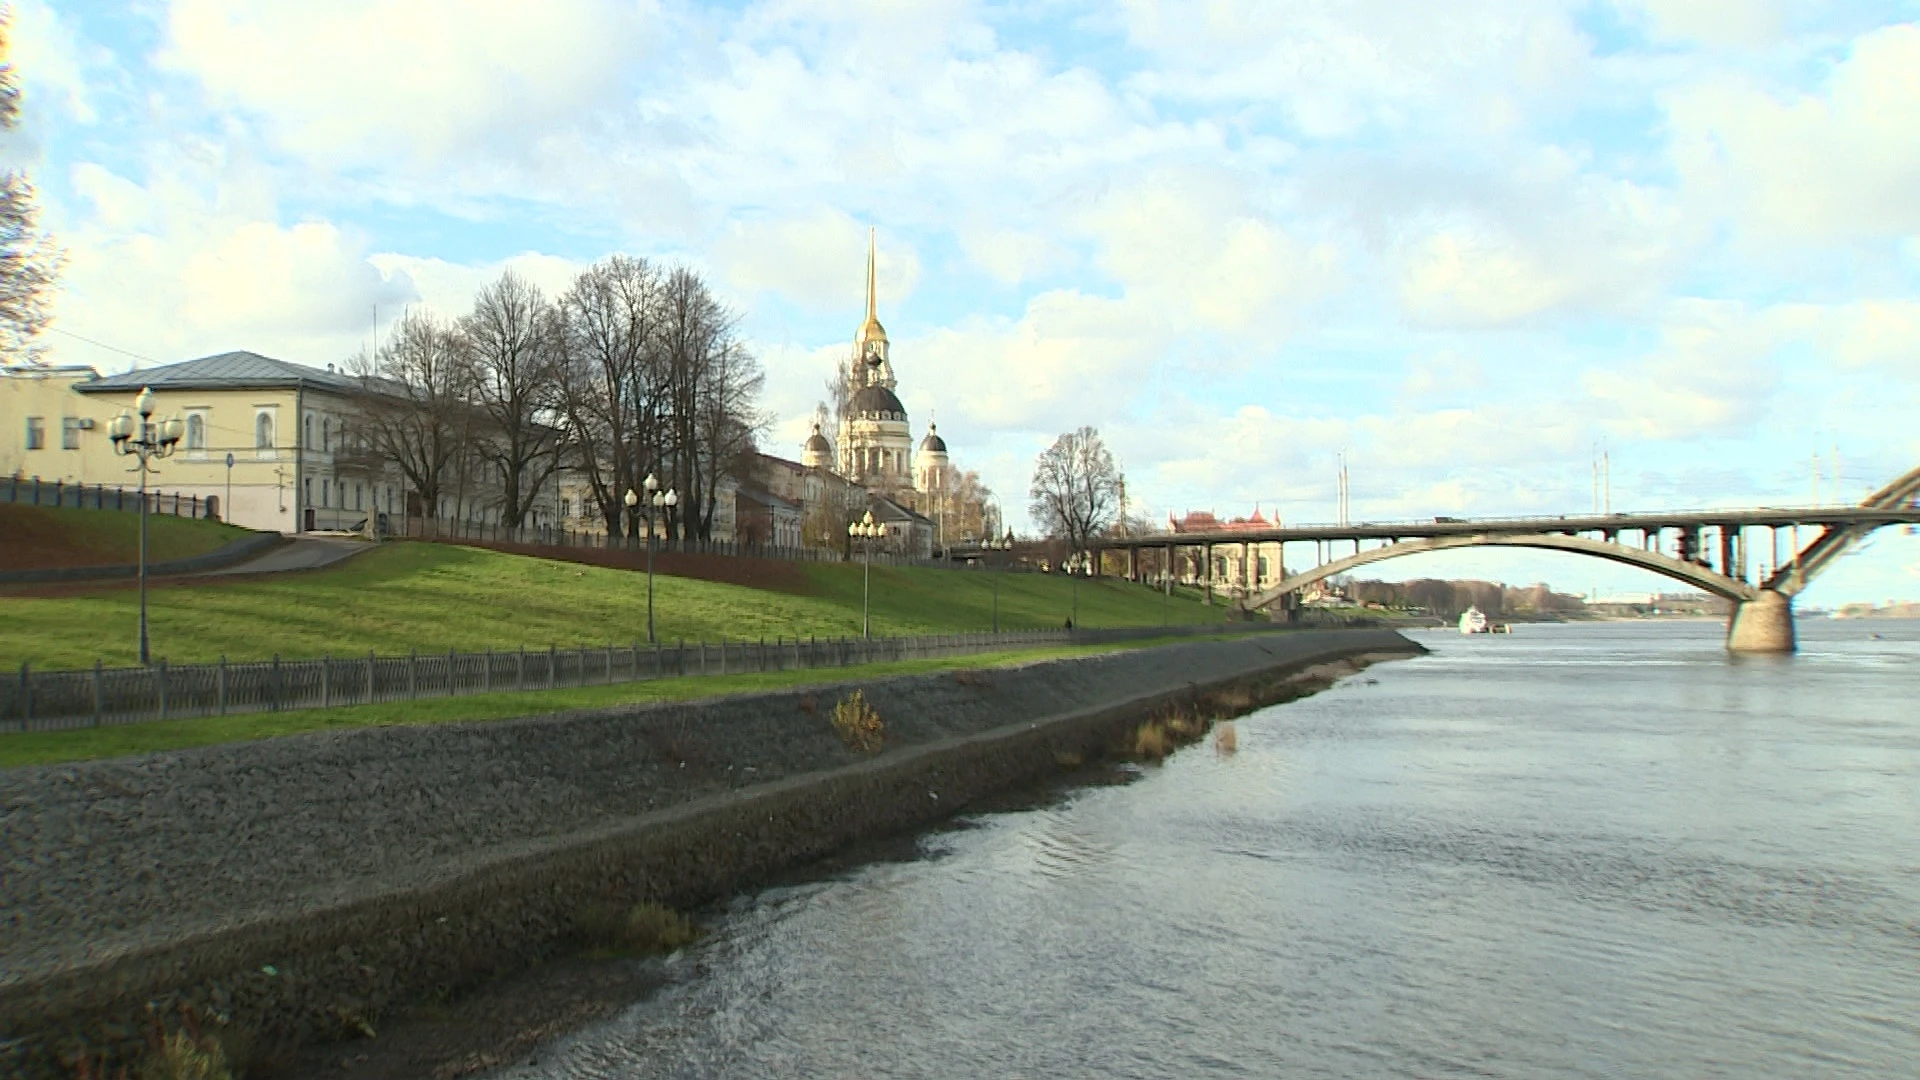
(1762, 625)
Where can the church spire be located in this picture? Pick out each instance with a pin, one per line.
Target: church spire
(873, 300)
(870, 345)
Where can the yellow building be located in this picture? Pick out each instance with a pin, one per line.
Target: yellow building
(268, 444)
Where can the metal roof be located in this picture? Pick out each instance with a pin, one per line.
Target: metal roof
(226, 371)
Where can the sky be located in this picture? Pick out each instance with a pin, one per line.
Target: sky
(1470, 245)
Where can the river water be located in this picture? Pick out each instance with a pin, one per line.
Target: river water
(1592, 850)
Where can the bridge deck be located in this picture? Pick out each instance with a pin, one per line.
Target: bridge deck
(1764, 517)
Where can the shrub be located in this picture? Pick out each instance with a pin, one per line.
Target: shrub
(858, 724)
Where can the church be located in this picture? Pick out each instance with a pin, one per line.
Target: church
(874, 447)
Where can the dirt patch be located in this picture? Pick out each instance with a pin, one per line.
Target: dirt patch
(774, 575)
(42, 538)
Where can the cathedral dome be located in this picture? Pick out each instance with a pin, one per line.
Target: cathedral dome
(876, 402)
(818, 443)
(933, 443)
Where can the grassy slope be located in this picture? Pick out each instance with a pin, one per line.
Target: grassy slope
(49, 747)
(33, 537)
(434, 597)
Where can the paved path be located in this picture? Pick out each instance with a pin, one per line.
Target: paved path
(300, 553)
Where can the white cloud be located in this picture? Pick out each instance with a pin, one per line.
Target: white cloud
(1337, 66)
(817, 260)
(358, 81)
(1714, 22)
(1012, 256)
(53, 62)
(1712, 374)
(173, 269)
(1543, 238)
(449, 288)
(1186, 244)
(1841, 164)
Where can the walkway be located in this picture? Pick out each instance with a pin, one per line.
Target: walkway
(298, 553)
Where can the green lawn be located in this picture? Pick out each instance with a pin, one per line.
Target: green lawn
(435, 597)
(33, 537)
(50, 747)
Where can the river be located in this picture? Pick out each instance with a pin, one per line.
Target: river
(1579, 851)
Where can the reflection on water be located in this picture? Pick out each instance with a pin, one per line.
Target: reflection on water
(1602, 850)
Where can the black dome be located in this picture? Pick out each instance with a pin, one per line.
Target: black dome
(933, 443)
(819, 442)
(876, 402)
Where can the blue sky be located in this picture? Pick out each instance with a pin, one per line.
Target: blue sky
(1467, 242)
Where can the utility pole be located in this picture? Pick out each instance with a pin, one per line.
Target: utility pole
(1606, 477)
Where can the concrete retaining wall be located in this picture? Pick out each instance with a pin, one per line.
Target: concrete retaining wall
(295, 884)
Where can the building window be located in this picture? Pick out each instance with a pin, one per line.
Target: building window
(309, 438)
(263, 431)
(306, 490)
(69, 433)
(196, 431)
(356, 496)
(36, 433)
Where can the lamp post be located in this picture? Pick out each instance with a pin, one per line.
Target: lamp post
(226, 508)
(1003, 544)
(866, 530)
(1077, 565)
(144, 441)
(655, 500)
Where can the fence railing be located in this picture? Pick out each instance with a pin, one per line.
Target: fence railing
(33, 491)
(60, 700)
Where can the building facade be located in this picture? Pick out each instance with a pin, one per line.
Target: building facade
(267, 444)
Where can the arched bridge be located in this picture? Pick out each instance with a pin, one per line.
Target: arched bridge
(1713, 551)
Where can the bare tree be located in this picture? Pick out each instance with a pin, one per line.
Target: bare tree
(609, 379)
(29, 263)
(711, 384)
(1076, 488)
(416, 405)
(511, 337)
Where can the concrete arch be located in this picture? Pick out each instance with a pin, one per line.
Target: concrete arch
(1700, 577)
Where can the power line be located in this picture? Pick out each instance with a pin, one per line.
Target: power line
(103, 345)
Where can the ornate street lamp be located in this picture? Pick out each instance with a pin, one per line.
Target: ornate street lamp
(866, 530)
(656, 500)
(144, 440)
(1078, 564)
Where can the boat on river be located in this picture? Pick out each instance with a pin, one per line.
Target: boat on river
(1472, 621)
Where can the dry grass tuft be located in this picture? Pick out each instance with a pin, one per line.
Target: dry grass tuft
(643, 928)
(1069, 759)
(858, 724)
(1151, 741)
(184, 1053)
(975, 679)
(810, 705)
(1226, 739)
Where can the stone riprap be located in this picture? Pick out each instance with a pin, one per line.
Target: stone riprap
(287, 880)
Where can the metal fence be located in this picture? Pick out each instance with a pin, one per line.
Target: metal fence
(33, 491)
(61, 700)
